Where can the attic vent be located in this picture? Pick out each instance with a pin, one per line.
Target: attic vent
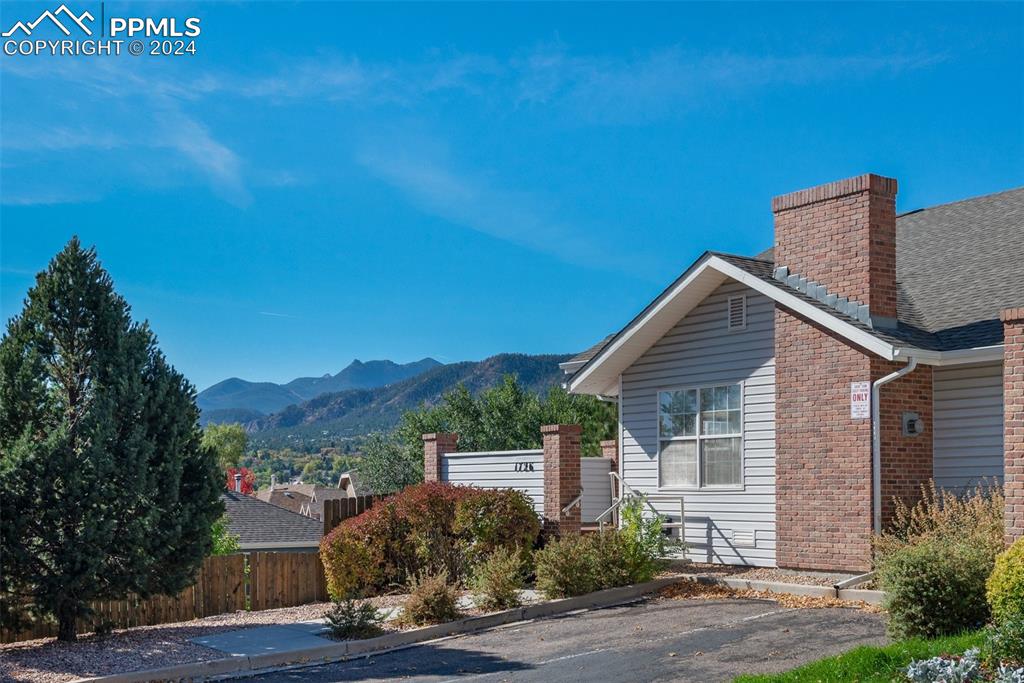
(737, 312)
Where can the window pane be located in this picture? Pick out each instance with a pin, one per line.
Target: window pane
(734, 422)
(678, 463)
(721, 462)
(707, 399)
(734, 397)
(721, 398)
(678, 425)
(690, 401)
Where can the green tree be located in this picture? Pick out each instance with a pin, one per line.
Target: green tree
(228, 441)
(224, 542)
(504, 417)
(107, 489)
(388, 464)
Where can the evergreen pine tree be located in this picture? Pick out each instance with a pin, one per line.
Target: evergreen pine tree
(106, 489)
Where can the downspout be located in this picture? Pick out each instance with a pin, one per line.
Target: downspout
(876, 439)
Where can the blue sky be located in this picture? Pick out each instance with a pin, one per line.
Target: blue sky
(323, 182)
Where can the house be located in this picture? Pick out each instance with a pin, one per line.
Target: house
(354, 485)
(261, 526)
(789, 397)
(304, 499)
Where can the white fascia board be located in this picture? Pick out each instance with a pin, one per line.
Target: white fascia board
(571, 366)
(981, 354)
(805, 309)
(581, 378)
(580, 382)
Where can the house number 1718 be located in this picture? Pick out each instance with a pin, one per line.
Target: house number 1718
(524, 467)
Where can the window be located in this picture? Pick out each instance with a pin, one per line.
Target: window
(737, 312)
(700, 437)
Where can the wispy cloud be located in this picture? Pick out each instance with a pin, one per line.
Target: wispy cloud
(270, 314)
(474, 201)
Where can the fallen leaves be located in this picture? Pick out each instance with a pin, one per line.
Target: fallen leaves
(695, 590)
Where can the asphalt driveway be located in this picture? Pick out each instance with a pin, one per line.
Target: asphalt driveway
(657, 640)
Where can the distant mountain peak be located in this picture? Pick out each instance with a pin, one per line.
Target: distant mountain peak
(244, 397)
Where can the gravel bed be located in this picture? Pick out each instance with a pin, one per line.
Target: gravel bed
(768, 574)
(143, 647)
(148, 647)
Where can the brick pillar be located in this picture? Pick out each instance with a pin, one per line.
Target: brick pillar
(610, 450)
(434, 448)
(1013, 420)
(561, 477)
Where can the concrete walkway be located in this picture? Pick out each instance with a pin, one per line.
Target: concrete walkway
(260, 640)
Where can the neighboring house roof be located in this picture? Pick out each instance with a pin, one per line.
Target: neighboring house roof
(305, 499)
(282, 497)
(955, 273)
(352, 484)
(262, 526)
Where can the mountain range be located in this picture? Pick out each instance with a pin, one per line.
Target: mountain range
(238, 400)
(330, 416)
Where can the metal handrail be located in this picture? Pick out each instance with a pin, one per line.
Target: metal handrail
(627, 489)
(575, 501)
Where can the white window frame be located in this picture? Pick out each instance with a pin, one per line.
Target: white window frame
(700, 438)
(728, 313)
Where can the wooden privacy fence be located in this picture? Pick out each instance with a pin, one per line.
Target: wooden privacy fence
(338, 510)
(225, 583)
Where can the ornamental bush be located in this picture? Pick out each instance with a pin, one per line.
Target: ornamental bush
(353, 620)
(1005, 585)
(577, 564)
(425, 529)
(935, 588)
(498, 579)
(432, 600)
(1004, 643)
(491, 519)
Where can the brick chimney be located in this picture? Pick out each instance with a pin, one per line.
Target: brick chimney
(841, 237)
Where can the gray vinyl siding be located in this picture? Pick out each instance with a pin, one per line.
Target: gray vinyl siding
(497, 471)
(968, 432)
(700, 351)
(597, 487)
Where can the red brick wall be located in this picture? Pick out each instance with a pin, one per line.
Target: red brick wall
(1013, 420)
(822, 456)
(434, 448)
(842, 235)
(561, 477)
(907, 461)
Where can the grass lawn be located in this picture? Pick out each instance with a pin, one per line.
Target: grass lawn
(870, 664)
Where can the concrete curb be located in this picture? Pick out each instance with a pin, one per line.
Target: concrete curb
(850, 594)
(330, 651)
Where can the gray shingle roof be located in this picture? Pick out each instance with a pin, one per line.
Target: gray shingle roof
(957, 266)
(257, 523)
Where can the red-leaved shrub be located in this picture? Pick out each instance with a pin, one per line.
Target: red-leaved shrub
(425, 529)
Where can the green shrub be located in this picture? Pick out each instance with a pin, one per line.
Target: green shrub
(568, 566)
(1005, 585)
(493, 519)
(645, 543)
(935, 588)
(498, 579)
(353, 620)
(432, 600)
(577, 564)
(942, 515)
(425, 529)
(1004, 643)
